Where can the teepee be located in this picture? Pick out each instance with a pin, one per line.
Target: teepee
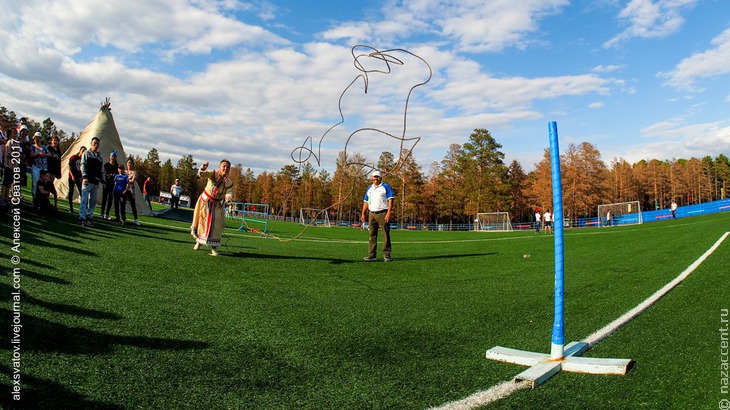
(102, 127)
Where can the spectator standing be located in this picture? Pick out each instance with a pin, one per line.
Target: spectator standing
(129, 194)
(92, 172)
(145, 193)
(538, 221)
(547, 219)
(38, 154)
(175, 192)
(54, 157)
(673, 208)
(107, 195)
(25, 160)
(3, 141)
(121, 180)
(74, 177)
(12, 143)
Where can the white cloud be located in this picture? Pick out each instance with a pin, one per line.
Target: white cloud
(650, 19)
(606, 68)
(715, 61)
(70, 25)
(596, 105)
(473, 25)
(675, 139)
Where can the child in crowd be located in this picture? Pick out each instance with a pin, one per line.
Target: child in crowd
(121, 180)
(44, 189)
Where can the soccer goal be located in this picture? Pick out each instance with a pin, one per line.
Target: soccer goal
(253, 214)
(622, 213)
(493, 222)
(314, 217)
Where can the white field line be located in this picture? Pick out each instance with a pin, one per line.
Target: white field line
(604, 332)
(485, 397)
(575, 232)
(503, 390)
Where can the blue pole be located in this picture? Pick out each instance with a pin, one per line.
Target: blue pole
(558, 337)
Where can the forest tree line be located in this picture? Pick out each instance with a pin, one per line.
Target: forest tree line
(472, 177)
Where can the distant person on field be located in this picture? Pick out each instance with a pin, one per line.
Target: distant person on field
(145, 193)
(379, 201)
(74, 177)
(547, 219)
(673, 208)
(129, 194)
(228, 205)
(92, 173)
(175, 192)
(107, 195)
(538, 221)
(608, 218)
(209, 218)
(42, 199)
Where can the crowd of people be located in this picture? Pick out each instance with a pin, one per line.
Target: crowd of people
(42, 159)
(544, 221)
(87, 171)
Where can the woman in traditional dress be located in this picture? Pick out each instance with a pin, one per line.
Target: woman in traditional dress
(209, 216)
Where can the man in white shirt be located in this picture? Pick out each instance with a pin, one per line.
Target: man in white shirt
(547, 219)
(175, 192)
(538, 220)
(379, 201)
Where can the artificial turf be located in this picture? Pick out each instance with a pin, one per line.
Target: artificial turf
(131, 317)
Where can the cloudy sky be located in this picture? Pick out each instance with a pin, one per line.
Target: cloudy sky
(251, 81)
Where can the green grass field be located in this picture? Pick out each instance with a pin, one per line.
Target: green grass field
(132, 317)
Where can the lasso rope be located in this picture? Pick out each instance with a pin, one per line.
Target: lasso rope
(307, 151)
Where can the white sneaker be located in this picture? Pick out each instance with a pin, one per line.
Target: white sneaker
(213, 252)
(136, 222)
(196, 246)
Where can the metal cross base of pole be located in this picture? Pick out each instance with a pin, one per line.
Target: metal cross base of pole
(542, 367)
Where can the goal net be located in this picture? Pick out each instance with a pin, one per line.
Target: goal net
(622, 213)
(254, 217)
(493, 222)
(314, 217)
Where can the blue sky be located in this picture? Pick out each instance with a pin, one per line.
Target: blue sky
(250, 81)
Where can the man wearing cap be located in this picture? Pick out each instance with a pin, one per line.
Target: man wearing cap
(175, 192)
(379, 201)
(107, 195)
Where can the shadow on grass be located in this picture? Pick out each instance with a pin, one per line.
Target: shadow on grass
(39, 393)
(37, 333)
(61, 307)
(248, 255)
(45, 278)
(242, 254)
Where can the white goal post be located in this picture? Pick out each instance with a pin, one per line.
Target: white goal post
(493, 222)
(622, 213)
(314, 217)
